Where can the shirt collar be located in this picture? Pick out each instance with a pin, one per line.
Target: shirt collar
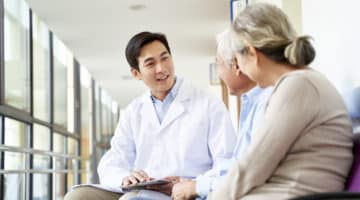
(251, 94)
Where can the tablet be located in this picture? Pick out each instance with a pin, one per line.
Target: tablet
(142, 185)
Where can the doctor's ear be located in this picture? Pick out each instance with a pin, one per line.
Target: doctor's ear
(135, 73)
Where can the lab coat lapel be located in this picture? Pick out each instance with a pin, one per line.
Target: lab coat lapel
(177, 107)
(148, 113)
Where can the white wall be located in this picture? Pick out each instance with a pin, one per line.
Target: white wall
(334, 25)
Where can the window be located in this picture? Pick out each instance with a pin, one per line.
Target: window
(63, 64)
(72, 163)
(106, 116)
(41, 182)
(59, 143)
(41, 186)
(98, 112)
(15, 136)
(115, 116)
(41, 68)
(41, 137)
(1, 131)
(15, 133)
(14, 186)
(86, 119)
(17, 80)
(35, 161)
(59, 164)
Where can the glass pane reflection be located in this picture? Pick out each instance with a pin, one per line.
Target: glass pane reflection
(14, 186)
(17, 76)
(15, 133)
(41, 186)
(41, 67)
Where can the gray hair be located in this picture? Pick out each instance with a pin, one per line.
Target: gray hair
(224, 47)
(268, 30)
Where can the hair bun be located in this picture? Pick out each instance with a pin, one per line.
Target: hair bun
(300, 52)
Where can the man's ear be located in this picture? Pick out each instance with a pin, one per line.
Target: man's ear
(253, 55)
(235, 66)
(238, 71)
(136, 73)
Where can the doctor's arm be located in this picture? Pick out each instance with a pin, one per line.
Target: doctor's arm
(117, 163)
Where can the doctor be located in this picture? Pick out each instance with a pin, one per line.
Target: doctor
(174, 130)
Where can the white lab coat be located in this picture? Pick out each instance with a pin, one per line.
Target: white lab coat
(195, 135)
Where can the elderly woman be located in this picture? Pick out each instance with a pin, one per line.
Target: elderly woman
(304, 144)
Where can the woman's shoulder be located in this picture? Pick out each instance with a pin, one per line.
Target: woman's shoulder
(300, 80)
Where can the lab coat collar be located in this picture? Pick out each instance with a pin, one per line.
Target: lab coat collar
(176, 109)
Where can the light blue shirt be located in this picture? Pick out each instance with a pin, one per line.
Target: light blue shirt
(252, 108)
(161, 107)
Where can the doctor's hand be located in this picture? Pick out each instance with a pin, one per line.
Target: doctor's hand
(184, 190)
(136, 177)
(167, 188)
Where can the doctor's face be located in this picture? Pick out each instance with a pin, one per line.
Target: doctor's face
(156, 69)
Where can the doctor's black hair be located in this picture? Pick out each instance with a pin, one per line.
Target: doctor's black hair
(133, 48)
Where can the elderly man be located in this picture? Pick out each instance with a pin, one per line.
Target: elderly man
(253, 100)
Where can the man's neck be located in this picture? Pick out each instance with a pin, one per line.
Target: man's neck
(245, 90)
(162, 95)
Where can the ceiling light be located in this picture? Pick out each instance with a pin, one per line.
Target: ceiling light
(137, 7)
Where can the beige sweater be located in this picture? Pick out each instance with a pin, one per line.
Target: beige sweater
(303, 146)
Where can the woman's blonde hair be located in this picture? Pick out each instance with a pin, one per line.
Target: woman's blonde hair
(268, 30)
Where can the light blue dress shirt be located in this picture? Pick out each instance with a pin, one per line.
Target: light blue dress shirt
(161, 107)
(252, 108)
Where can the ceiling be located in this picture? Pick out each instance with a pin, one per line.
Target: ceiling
(97, 31)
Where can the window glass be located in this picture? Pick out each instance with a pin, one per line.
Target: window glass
(115, 114)
(63, 61)
(106, 116)
(86, 111)
(98, 112)
(59, 143)
(41, 137)
(72, 166)
(59, 186)
(17, 80)
(14, 161)
(14, 184)
(72, 147)
(86, 132)
(14, 187)
(59, 163)
(41, 162)
(41, 186)
(1, 130)
(15, 133)
(59, 178)
(41, 68)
